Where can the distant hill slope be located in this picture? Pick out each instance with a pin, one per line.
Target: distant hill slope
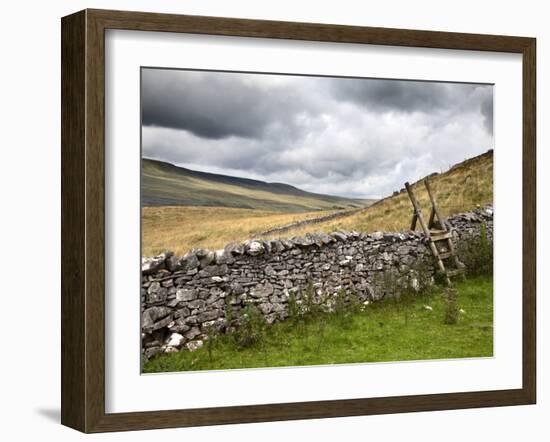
(164, 184)
(461, 188)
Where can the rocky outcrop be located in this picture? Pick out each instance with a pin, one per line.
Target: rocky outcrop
(183, 298)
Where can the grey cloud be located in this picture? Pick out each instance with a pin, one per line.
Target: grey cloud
(217, 104)
(417, 96)
(401, 95)
(487, 111)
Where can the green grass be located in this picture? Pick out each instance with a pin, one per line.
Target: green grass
(383, 331)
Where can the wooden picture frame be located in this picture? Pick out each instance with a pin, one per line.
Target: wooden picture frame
(83, 220)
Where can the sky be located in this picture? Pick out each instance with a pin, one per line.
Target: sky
(354, 137)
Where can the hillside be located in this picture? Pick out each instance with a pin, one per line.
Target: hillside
(464, 186)
(164, 184)
(181, 228)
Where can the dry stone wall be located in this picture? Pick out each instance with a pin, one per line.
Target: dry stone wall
(305, 222)
(182, 298)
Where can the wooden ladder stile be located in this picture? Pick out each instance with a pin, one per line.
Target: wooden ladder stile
(436, 230)
(417, 215)
(445, 226)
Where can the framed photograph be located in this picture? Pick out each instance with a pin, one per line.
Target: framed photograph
(267, 220)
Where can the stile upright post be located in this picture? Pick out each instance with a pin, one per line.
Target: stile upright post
(418, 215)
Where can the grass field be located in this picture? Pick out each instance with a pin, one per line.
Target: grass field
(384, 331)
(181, 228)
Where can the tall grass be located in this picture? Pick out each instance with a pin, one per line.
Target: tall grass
(181, 228)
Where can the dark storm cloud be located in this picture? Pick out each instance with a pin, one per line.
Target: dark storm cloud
(417, 96)
(353, 137)
(402, 96)
(487, 111)
(215, 105)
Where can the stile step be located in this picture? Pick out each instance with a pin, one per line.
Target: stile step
(439, 236)
(454, 272)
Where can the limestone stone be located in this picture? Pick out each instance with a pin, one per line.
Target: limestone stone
(175, 340)
(194, 345)
(179, 326)
(208, 258)
(197, 304)
(224, 257)
(262, 290)
(173, 263)
(235, 249)
(186, 295)
(193, 333)
(214, 270)
(209, 315)
(339, 236)
(152, 315)
(153, 264)
(255, 248)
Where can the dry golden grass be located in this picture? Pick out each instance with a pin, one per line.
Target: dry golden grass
(459, 189)
(182, 228)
